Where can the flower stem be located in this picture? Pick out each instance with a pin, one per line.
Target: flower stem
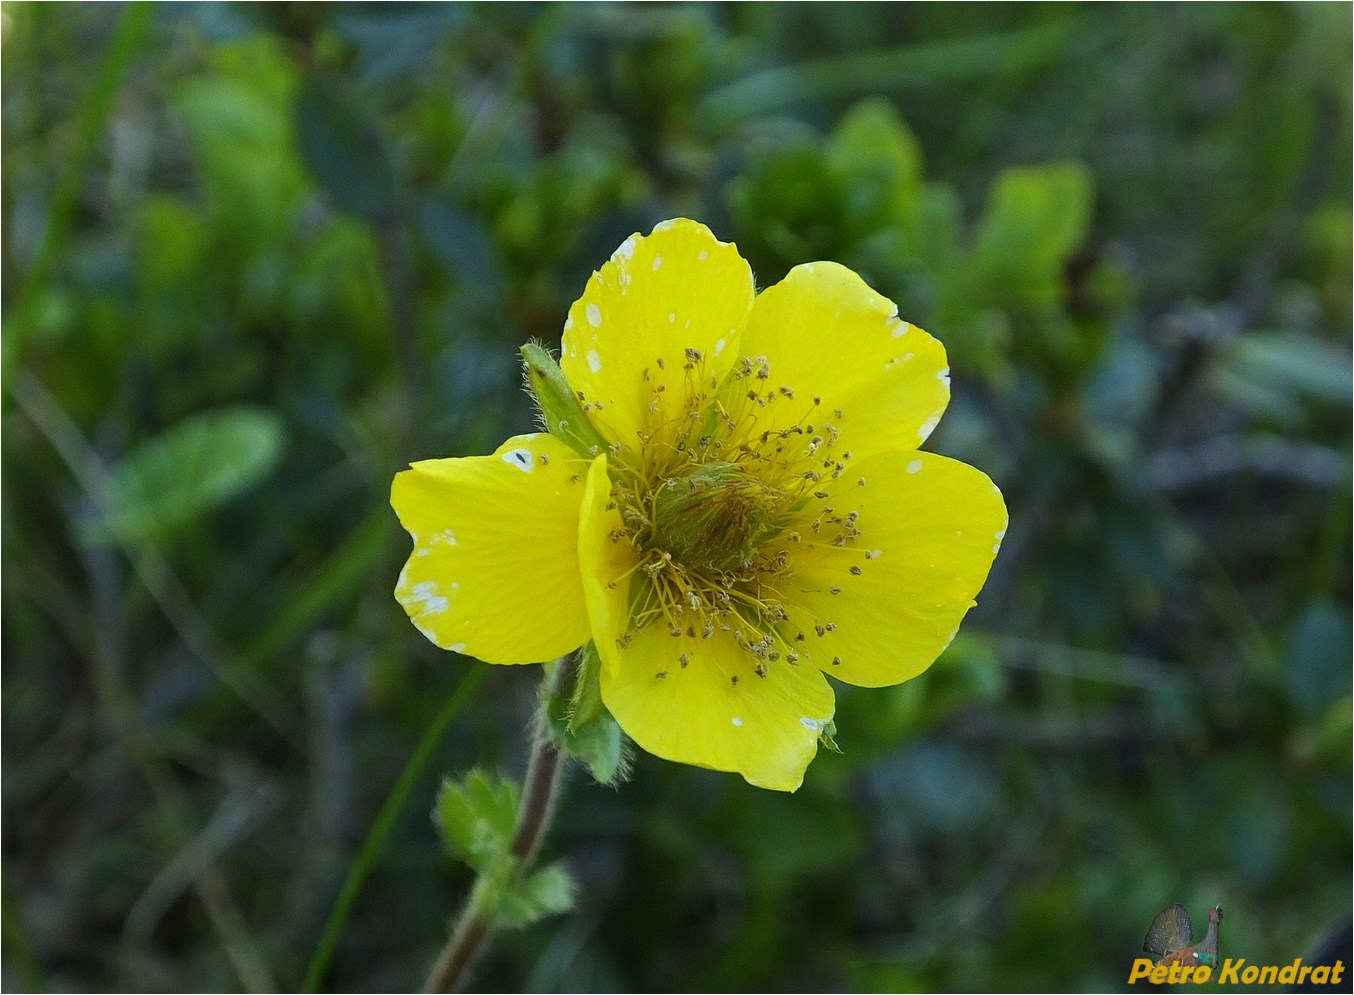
(476, 923)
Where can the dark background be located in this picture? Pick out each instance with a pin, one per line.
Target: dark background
(257, 258)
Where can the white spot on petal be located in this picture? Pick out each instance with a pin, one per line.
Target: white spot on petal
(523, 459)
(568, 323)
(738, 722)
(657, 263)
(594, 361)
(900, 329)
(422, 551)
(457, 647)
(1000, 535)
(665, 225)
(455, 585)
(626, 249)
(594, 315)
(914, 466)
(907, 356)
(811, 724)
(876, 554)
(425, 599)
(944, 375)
(703, 256)
(719, 346)
(926, 429)
(672, 317)
(447, 536)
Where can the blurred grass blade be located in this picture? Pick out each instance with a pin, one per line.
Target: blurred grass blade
(175, 477)
(131, 30)
(349, 565)
(374, 844)
(951, 61)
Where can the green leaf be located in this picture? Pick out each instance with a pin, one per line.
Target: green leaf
(1036, 218)
(477, 818)
(1274, 372)
(343, 150)
(547, 892)
(193, 467)
(462, 245)
(1317, 659)
(879, 163)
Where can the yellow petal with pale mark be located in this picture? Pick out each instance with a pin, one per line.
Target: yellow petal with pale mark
(764, 728)
(494, 572)
(929, 530)
(882, 382)
(626, 339)
(689, 698)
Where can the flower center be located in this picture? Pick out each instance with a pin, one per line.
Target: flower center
(713, 517)
(714, 499)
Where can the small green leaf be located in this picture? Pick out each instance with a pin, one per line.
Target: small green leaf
(176, 476)
(477, 818)
(560, 410)
(879, 163)
(1036, 218)
(1287, 367)
(547, 892)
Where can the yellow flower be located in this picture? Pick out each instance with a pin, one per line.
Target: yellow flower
(756, 516)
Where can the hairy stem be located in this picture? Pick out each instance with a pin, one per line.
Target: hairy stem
(475, 926)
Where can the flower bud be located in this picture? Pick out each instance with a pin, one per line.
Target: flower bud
(559, 406)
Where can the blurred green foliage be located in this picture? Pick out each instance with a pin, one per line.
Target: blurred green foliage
(258, 257)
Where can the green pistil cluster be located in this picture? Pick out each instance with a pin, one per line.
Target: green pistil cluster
(714, 517)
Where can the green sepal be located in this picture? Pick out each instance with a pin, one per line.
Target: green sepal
(477, 817)
(580, 725)
(586, 703)
(826, 736)
(560, 410)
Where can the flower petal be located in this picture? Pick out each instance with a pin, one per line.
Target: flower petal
(607, 561)
(764, 728)
(494, 573)
(712, 711)
(929, 530)
(883, 382)
(626, 339)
